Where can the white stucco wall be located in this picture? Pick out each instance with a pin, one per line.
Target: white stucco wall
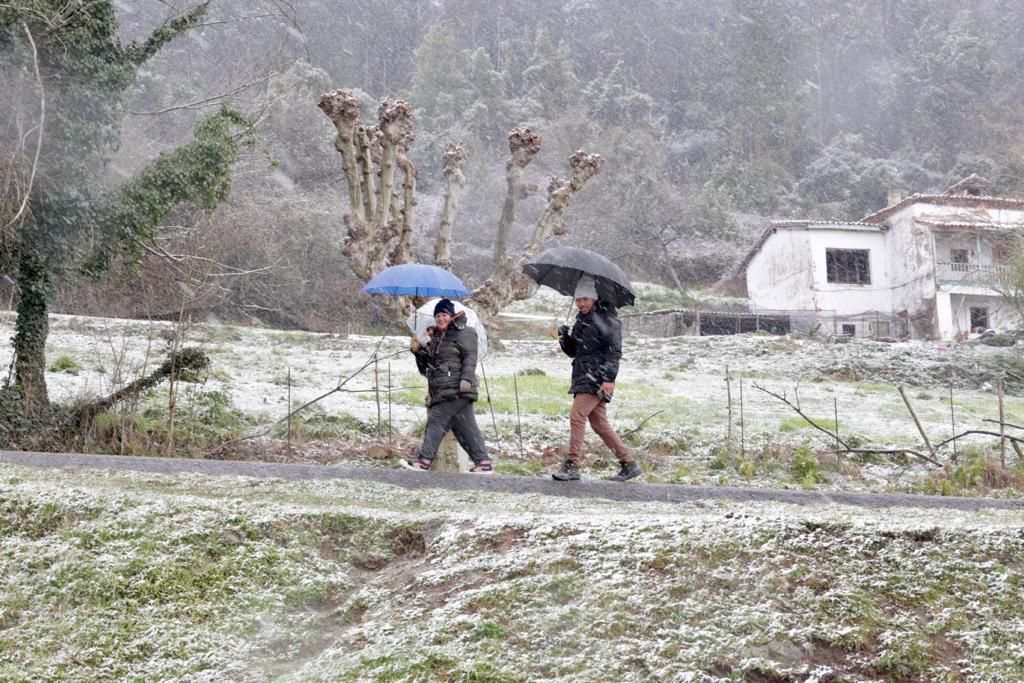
(954, 313)
(915, 249)
(911, 250)
(844, 298)
(780, 276)
(789, 272)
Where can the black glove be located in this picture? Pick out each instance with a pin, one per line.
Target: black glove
(563, 330)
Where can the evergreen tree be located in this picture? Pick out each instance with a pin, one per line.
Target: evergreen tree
(440, 85)
(944, 100)
(70, 71)
(547, 87)
(758, 89)
(611, 99)
(458, 93)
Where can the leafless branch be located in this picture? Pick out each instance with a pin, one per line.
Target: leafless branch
(340, 387)
(642, 423)
(1012, 439)
(229, 271)
(179, 361)
(801, 413)
(846, 447)
(39, 136)
(197, 104)
(890, 451)
(1005, 423)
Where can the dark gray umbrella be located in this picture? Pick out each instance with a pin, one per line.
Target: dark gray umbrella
(560, 268)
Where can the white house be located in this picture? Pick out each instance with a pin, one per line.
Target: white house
(926, 267)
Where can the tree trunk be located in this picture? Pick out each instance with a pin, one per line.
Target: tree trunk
(508, 284)
(455, 182)
(402, 252)
(379, 226)
(31, 330)
(523, 145)
(375, 220)
(179, 361)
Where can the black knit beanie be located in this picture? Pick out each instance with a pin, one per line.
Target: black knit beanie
(446, 306)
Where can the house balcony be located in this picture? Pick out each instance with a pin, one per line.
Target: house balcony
(979, 275)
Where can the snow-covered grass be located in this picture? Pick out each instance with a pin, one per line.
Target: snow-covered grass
(127, 576)
(686, 423)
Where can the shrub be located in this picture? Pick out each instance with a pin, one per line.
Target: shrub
(65, 363)
(806, 467)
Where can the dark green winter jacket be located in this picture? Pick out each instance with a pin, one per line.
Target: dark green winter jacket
(447, 359)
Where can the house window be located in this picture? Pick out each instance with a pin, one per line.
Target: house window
(1000, 254)
(958, 259)
(979, 318)
(849, 330)
(848, 266)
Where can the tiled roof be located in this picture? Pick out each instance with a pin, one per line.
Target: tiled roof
(973, 181)
(829, 224)
(944, 200)
(965, 225)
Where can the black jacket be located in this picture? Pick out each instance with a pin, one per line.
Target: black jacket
(447, 359)
(595, 346)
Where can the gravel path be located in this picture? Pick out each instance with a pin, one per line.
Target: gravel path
(634, 491)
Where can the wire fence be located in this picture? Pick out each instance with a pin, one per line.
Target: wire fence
(703, 322)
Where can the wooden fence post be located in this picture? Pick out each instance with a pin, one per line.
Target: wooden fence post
(920, 428)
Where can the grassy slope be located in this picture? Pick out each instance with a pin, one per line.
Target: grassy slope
(186, 578)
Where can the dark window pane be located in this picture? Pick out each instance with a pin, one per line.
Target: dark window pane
(848, 266)
(979, 318)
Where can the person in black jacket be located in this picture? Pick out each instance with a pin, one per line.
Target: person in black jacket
(448, 361)
(595, 346)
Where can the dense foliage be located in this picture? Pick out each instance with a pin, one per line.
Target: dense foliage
(712, 116)
(68, 70)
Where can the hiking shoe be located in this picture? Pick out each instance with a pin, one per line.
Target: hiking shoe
(482, 467)
(419, 464)
(627, 470)
(570, 472)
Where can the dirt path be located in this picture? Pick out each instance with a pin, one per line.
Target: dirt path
(587, 488)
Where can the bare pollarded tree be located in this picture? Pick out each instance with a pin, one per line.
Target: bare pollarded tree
(379, 225)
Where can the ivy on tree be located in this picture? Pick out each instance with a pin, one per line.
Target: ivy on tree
(67, 70)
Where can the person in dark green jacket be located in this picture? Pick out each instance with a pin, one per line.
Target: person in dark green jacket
(448, 361)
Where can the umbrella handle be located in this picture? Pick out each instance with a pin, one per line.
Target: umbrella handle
(569, 312)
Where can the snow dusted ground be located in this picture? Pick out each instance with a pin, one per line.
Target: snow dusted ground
(684, 420)
(136, 576)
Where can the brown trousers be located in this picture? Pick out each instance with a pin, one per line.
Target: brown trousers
(590, 407)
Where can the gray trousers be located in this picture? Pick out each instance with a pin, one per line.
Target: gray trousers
(457, 416)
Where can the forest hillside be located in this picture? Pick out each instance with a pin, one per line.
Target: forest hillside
(713, 117)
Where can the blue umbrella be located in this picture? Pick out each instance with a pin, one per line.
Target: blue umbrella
(416, 279)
